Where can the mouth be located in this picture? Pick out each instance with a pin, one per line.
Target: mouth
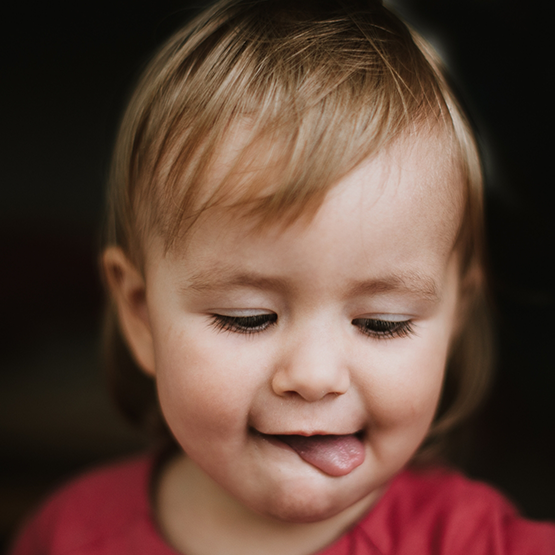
(335, 455)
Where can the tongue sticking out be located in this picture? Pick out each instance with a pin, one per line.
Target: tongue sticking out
(335, 455)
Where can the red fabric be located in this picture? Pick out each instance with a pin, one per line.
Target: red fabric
(107, 512)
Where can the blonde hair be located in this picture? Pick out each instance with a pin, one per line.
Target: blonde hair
(315, 86)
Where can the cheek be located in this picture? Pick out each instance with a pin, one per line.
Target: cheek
(404, 389)
(203, 386)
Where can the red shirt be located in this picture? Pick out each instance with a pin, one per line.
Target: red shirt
(433, 512)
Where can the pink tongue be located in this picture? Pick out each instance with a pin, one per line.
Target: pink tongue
(334, 455)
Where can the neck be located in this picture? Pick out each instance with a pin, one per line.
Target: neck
(197, 517)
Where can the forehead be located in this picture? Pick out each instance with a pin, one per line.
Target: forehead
(271, 179)
(418, 178)
(402, 205)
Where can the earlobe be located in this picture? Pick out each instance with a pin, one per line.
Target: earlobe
(128, 289)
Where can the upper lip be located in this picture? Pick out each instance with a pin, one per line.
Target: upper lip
(309, 433)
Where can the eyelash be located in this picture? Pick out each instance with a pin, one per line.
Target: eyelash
(384, 329)
(243, 324)
(379, 329)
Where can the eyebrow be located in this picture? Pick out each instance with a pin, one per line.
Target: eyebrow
(221, 278)
(218, 279)
(409, 282)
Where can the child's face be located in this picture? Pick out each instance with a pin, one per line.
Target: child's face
(337, 326)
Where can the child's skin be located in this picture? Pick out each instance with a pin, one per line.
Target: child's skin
(380, 247)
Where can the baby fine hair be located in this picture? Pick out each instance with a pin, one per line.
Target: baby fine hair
(302, 92)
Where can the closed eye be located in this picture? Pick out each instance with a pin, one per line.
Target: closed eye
(253, 323)
(384, 329)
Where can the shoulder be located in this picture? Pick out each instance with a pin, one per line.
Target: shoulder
(92, 511)
(442, 511)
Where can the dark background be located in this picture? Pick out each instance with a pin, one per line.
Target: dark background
(66, 72)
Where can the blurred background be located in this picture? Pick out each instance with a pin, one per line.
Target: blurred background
(67, 70)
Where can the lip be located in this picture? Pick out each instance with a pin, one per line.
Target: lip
(360, 433)
(276, 437)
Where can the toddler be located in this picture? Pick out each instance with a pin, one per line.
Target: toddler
(294, 255)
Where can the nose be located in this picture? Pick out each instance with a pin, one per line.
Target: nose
(311, 367)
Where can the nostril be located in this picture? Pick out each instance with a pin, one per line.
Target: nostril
(309, 390)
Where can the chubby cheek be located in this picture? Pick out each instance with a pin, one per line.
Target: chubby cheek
(402, 396)
(202, 391)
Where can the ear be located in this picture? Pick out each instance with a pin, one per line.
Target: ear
(128, 290)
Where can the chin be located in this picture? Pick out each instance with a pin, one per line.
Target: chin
(302, 511)
(304, 506)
